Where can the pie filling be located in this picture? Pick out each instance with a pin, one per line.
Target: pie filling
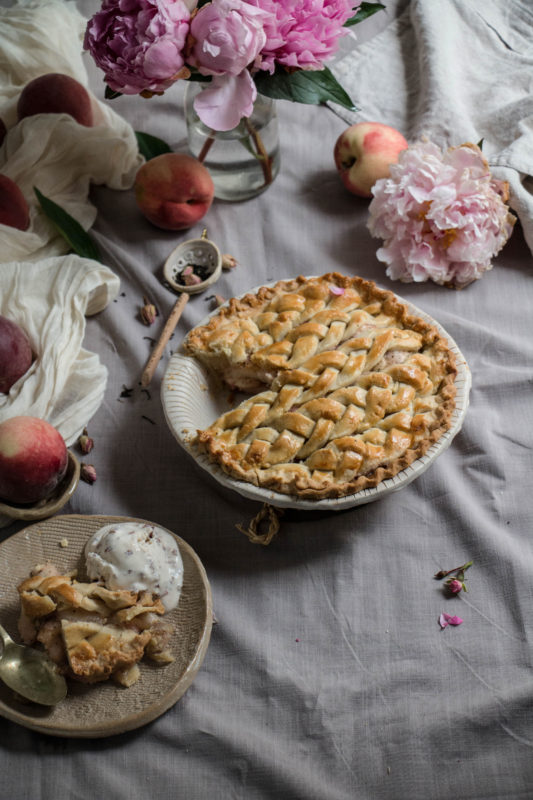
(348, 387)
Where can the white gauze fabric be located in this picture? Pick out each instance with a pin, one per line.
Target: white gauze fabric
(52, 151)
(49, 300)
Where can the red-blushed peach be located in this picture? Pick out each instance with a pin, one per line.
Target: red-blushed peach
(33, 459)
(364, 152)
(14, 210)
(174, 190)
(15, 354)
(55, 93)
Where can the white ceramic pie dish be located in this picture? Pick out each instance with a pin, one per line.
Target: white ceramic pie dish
(193, 398)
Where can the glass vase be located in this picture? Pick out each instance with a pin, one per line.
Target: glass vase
(244, 161)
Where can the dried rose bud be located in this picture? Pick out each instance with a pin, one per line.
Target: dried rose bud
(88, 473)
(148, 312)
(454, 586)
(229, 262)
(85, 442)
(218, 301)
(191, 279)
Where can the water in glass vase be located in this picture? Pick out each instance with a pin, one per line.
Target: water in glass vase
(242, 162)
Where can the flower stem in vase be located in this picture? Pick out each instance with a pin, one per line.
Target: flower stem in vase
(206, 147)
(262, 155)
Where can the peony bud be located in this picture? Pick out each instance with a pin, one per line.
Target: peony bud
(85, 443)
(148, 312)
(229, 262)
(88, 473)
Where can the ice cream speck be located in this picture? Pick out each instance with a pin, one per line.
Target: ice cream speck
(138, 557)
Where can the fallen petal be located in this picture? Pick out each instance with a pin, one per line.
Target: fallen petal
(448, 619)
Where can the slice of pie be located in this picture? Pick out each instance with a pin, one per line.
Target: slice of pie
(348, 386)
(92, 633)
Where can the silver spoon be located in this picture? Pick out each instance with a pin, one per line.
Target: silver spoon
(30, 673)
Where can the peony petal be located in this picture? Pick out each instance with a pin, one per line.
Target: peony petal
(447, 619)
(455, 620)
(227, 99)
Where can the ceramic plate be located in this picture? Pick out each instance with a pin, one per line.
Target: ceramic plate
(193, 399)
(103, 709)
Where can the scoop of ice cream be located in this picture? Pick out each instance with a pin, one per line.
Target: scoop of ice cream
(136, 556)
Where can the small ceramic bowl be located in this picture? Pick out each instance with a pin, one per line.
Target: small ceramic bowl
(198, 253)
(49, 506)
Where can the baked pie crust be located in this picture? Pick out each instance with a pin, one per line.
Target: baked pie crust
(92, 633)
(349, 387)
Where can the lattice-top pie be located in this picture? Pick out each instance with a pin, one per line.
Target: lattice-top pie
(349, 387)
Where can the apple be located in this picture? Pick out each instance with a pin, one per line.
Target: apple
(174, 190)
(15, 354)
(14, 210)
(55, 93)
(364, 152)
(33, 459)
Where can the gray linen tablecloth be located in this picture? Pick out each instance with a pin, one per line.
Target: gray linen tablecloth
(327, 676)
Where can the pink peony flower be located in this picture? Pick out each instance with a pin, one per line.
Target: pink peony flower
(442, 216)
(226, 36)
(302, 34)
(139, 43)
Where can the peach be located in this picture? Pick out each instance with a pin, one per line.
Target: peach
(363, 154)
(55, 93)
(15, 354)
(33, 459)
(14, 210)
(174, 190)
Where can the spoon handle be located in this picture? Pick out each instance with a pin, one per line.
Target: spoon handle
(4, 635)
(166, 333)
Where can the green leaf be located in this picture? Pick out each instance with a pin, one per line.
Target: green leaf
(480, 145)
(110, 94)
(150, 146)
(304, 86)
(69, 228)
(364, 11)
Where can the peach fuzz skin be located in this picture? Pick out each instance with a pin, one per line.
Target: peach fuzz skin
(14, 209)
(55, 93)
(33, 459)
(363, 154)
(174, 190)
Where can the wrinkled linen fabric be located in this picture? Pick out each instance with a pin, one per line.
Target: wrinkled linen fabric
(458, 72)
(52, 151)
